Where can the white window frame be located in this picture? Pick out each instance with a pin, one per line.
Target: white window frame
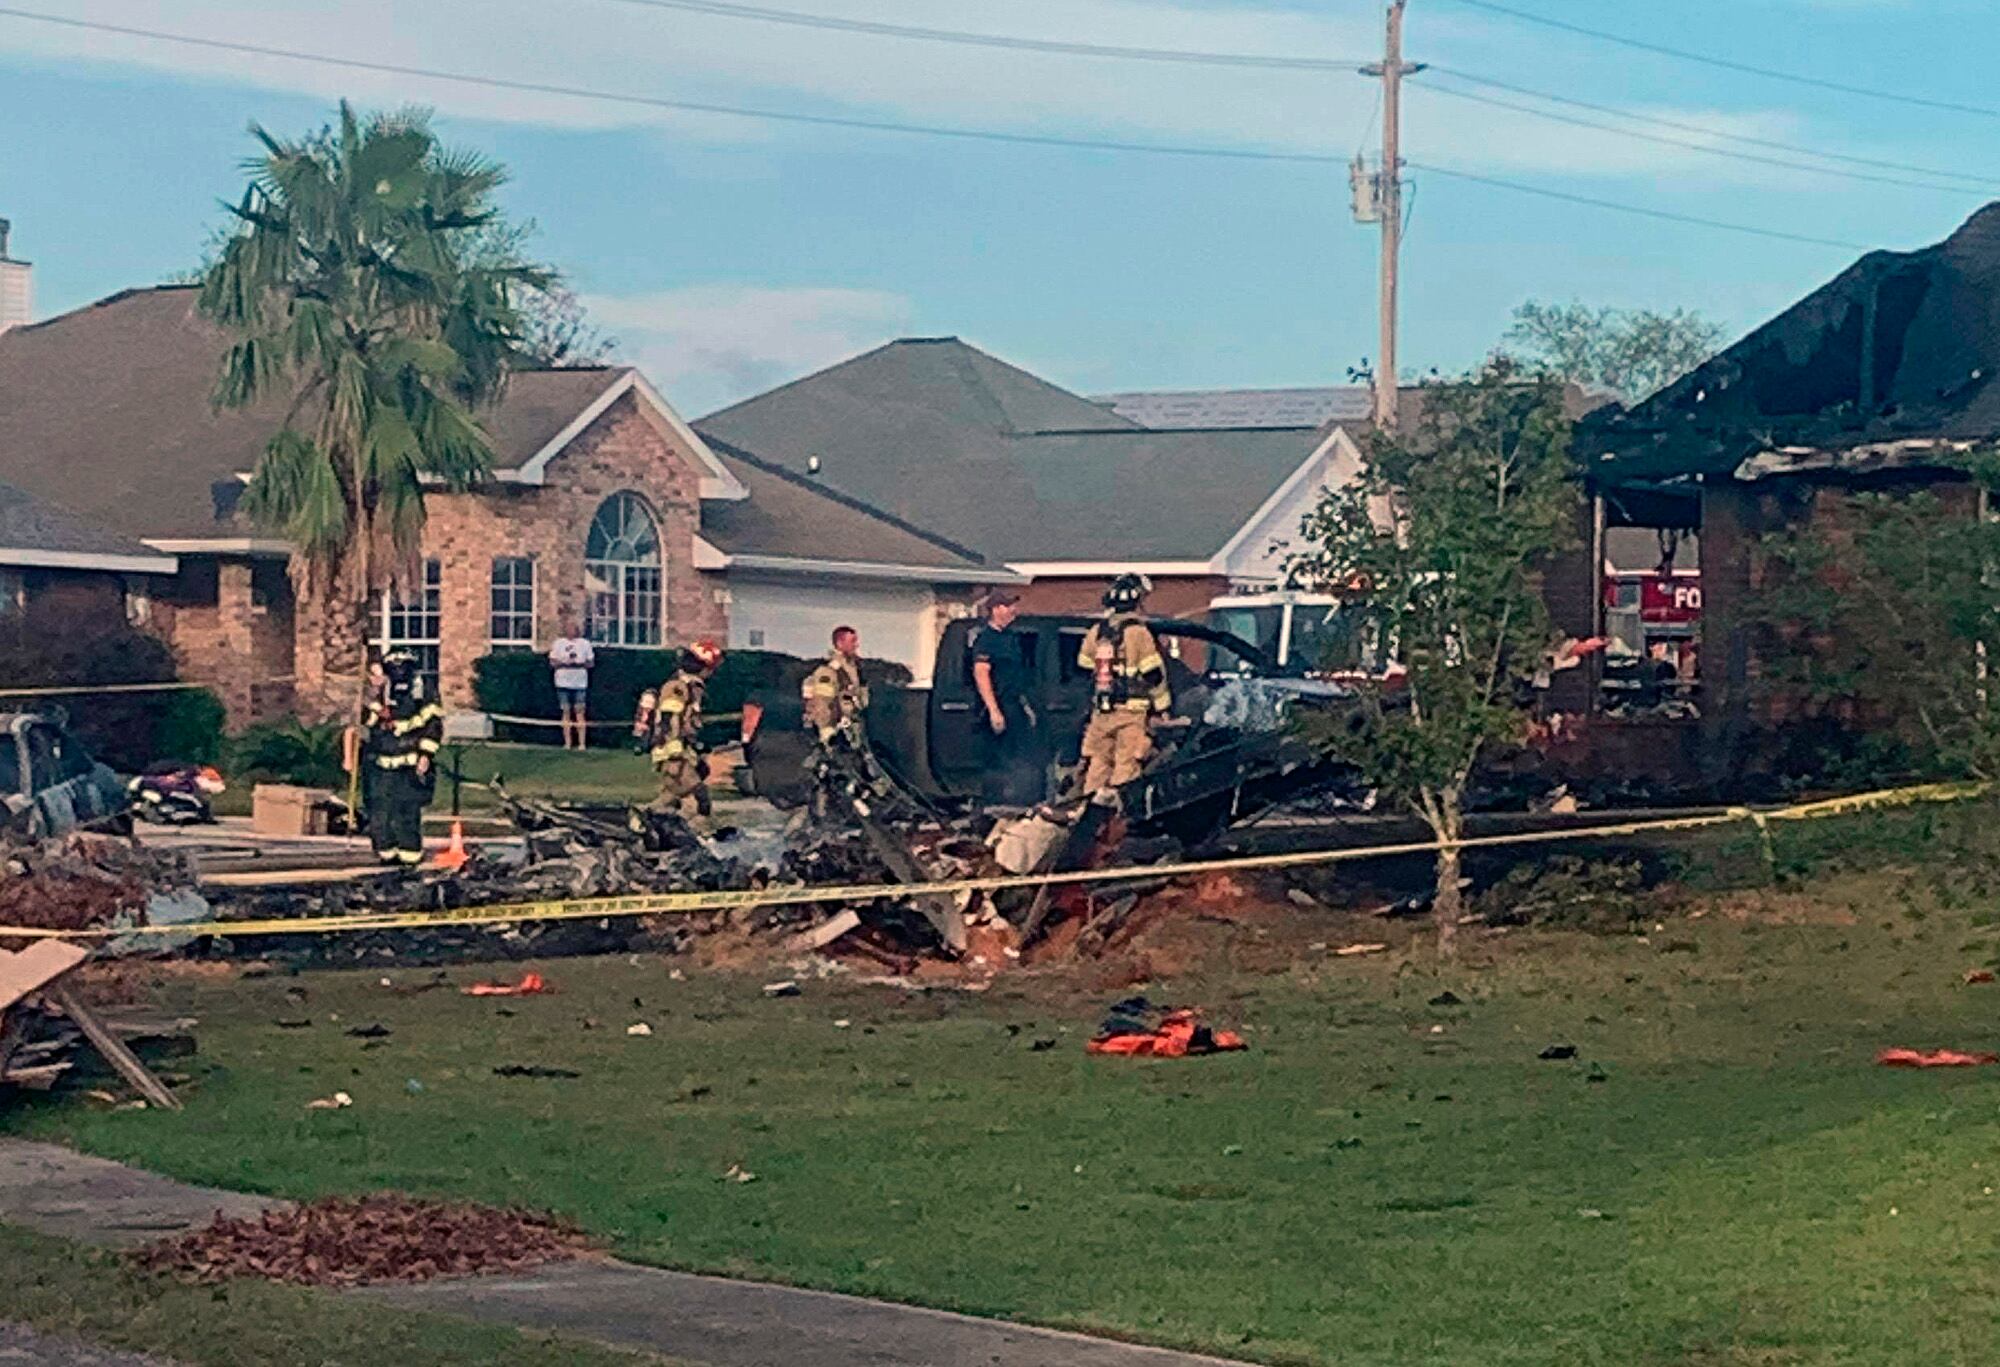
(625, 628)
(494, 614)
(428, 647)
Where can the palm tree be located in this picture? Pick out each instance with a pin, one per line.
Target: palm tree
(363, 291)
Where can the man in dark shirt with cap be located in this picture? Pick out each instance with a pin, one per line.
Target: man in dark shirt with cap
(1000, 675)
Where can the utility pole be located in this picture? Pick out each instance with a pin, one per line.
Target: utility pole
(1380, 200)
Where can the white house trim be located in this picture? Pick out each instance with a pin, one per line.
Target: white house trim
(87, 560)
(1337, 443)
(1097, 569)
(229, 545)
(716, 482)
(708, 557)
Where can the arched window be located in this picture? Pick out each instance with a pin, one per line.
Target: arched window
(622, 574)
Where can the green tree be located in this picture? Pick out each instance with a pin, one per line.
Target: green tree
(1879, 611)
(1631, 352)
(1439, 541)
(363, 292)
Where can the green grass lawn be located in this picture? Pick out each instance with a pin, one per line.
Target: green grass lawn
(550, 771)
(1720, 1176)
(60, 1288)
(530, 770)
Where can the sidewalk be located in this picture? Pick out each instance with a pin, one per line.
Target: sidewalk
(706, 1320)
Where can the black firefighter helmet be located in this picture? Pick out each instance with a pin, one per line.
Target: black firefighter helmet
(400, 666)
(1126, 592)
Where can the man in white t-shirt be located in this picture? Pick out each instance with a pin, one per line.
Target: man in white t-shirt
(571, 657)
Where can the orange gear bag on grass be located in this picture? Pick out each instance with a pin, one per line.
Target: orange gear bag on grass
(1179, 1034)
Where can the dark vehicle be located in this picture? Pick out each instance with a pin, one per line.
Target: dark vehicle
(1227, 752)
(49, 783)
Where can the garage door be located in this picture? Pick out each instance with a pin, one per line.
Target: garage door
(797, 617)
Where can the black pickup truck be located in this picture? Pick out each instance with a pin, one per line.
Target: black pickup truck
(1228, 751)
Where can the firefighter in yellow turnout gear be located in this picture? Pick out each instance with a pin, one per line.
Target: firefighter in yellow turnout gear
(833, 694)
(405, 730)
(1128, 688)
(674, 735)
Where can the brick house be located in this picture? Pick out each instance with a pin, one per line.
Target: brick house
(603, 507)
(1871, 383)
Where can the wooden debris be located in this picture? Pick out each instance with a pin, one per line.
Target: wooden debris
(827, 931)
(41, 1020)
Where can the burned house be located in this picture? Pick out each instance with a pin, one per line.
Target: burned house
(1878, 381)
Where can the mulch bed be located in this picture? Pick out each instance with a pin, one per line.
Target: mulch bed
(345, 1241)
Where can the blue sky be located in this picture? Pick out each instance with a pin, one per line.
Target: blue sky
(728, 254)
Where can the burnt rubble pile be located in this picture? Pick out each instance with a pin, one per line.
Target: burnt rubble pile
(89, 882)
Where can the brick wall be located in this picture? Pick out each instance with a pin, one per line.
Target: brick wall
(1746, 707)
(1572, 588)
(625, 449)
(231, 625)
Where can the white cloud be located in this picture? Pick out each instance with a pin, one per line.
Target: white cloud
(708, 345)
(670, 54)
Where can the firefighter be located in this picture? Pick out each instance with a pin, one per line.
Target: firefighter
(834, 695)
(407, 727)
(1128, 687)
(674, 732)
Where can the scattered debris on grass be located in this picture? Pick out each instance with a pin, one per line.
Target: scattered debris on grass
(533, 1070)
(342, 1241)
(339, 1101)
(1558, 1051)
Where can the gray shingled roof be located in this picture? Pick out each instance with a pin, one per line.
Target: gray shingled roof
(787, 515)
(106, 409)
(947, 437)
(1210, 409)
(34, 531)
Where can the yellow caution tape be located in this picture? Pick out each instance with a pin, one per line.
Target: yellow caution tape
(687, 903)
(80, 690)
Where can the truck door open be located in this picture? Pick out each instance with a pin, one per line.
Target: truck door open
(958, 717)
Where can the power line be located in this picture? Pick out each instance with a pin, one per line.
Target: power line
(1727, 64)
(840, 24)
(678, 106)
(1187, 56)
(1473, 78)
(884, 126)
(1705, 148)
(1664, 215)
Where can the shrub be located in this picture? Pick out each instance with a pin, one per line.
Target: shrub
(517, 683)
(47, 646)
(190, 726)
(290, 751)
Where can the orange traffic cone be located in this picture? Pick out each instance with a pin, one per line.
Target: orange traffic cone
(454, 855)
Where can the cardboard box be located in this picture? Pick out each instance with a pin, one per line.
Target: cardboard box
(284, 809)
